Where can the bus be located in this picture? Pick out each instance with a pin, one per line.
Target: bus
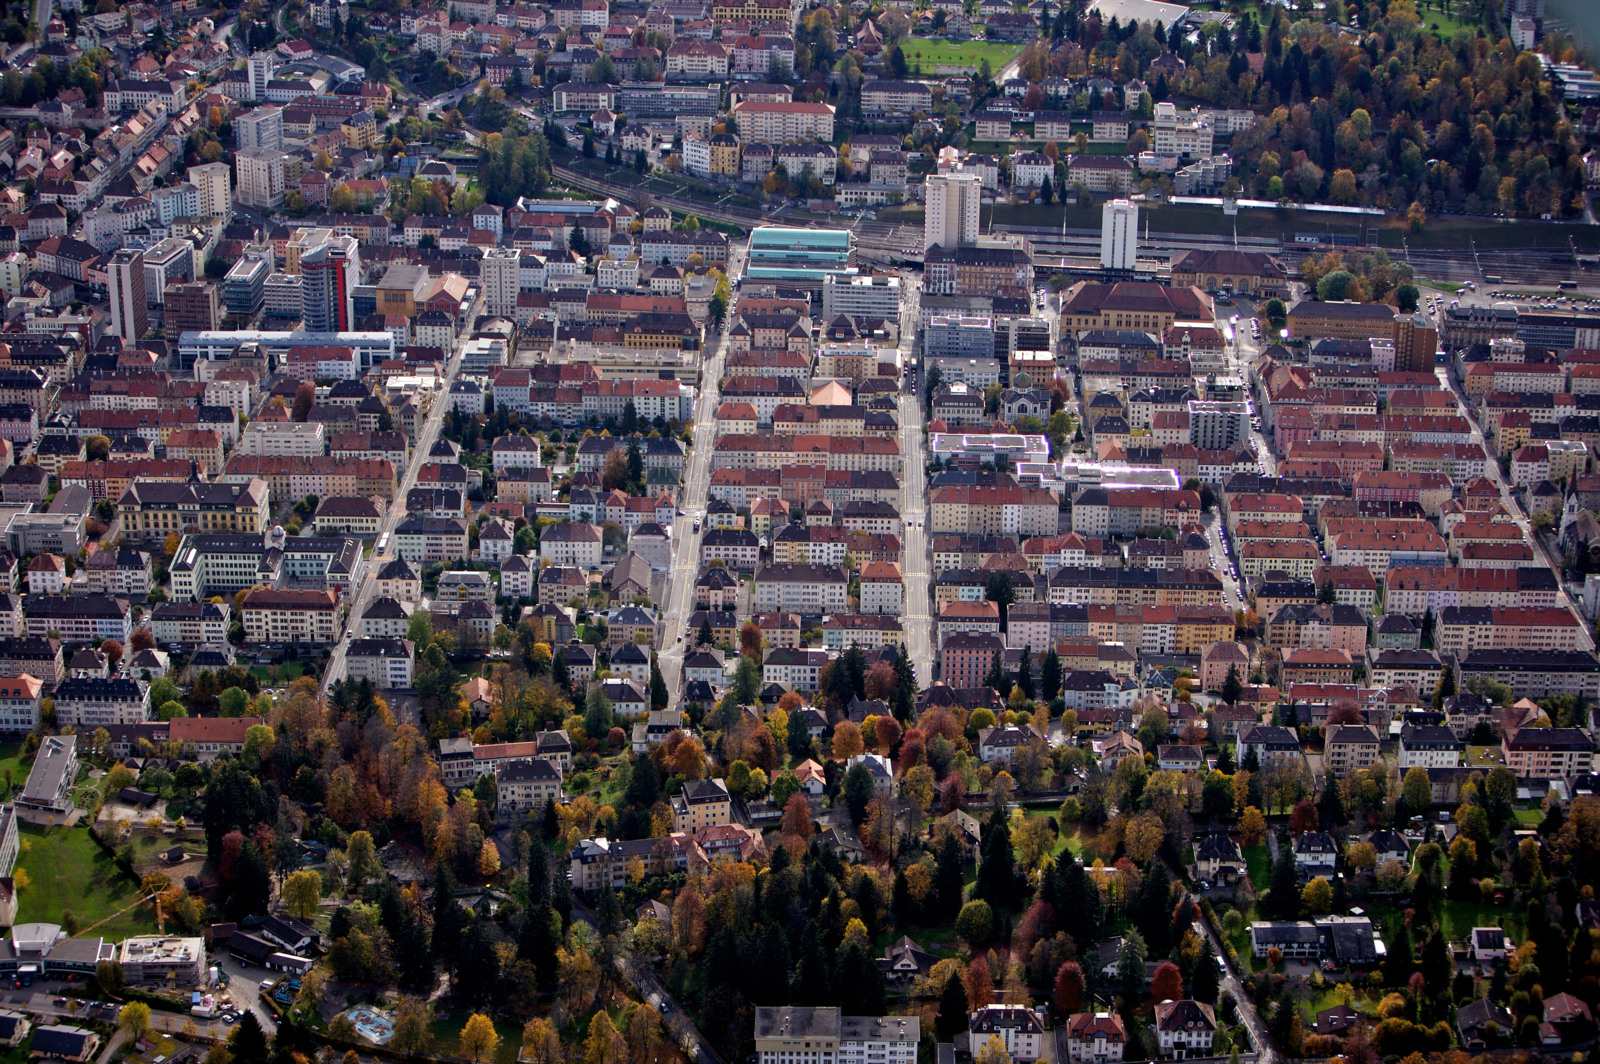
(1567, 286)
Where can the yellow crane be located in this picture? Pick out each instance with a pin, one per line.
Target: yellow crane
(156, 897)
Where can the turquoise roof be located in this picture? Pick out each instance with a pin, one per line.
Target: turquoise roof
(775, 237)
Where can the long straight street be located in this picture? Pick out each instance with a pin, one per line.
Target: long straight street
(916, 621)
(424, 442)
(692, 503)
(1508, 499)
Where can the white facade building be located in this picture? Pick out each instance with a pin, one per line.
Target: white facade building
(1119, 235)
(951, 219)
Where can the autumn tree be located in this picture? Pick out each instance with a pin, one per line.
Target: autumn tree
(604, 1045)
(488, 859)
(305, 397)
(413, 1033)
(847, 741)
(1143, 837)
(479, 1039)
(797, 817)
(301, 892)
(1069, 988)
(1317, 897)
(134, 1020)
(993, 1052)
(750, 640)
(1252, 826)
(978, 983)
(1167, 983)
(540, 1042)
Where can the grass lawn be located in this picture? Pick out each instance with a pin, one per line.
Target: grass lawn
(966, 55)
(1258, 859)
(1485, 757)
(1326, 998)
(68, 872)
(13, 771)
(276, 674)
(447, 1038)
(1457, 918)
(1529, 817)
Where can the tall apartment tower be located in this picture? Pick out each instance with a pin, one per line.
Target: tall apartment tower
(261, 177)
(260, 68)
(214, 181)
(259, 128)
(501, 276)
(1119, 236)
(129, 313)
(329, 273)
(951, 220)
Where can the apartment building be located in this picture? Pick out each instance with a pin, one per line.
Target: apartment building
(778, 123)
(1095, 1038)
(1350, 747)
(386, 663)
(1429, 746)
(431, 539)
(1459, 629)
(208, 738)
(1548, 753)
(793, 669)
(289, 616)
(94, 702)
(804, 589)
(993, 509)
(794, 1035)
(77, 618)
(701, 804)
(20, 699)
(526, 786)
(152, 510)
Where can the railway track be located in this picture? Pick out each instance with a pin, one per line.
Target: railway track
(1542, 265)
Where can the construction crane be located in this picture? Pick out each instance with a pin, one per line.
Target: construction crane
(155, 897)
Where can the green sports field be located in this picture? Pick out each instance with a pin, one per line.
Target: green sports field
(964, 54)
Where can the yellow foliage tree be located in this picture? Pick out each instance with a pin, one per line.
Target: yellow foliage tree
(488, 859)
(479, 1039)
(993, 1052)
(1252, 826)
(540, 1042)
(301, 892)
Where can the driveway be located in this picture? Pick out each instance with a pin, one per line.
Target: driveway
(245, 983)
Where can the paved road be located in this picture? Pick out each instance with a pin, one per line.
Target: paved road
(690, 1040)
(1509, 500)
(1248, 1015)
(397, 508)
(692, 501)
(42, 1003)
(917, 620)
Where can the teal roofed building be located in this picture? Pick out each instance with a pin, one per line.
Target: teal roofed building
(801, 257)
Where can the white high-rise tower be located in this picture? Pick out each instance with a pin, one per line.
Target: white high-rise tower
(1119, 235)
(951, 219)
(501, 275)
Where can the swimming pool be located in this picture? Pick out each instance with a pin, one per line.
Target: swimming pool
(372, 1025)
